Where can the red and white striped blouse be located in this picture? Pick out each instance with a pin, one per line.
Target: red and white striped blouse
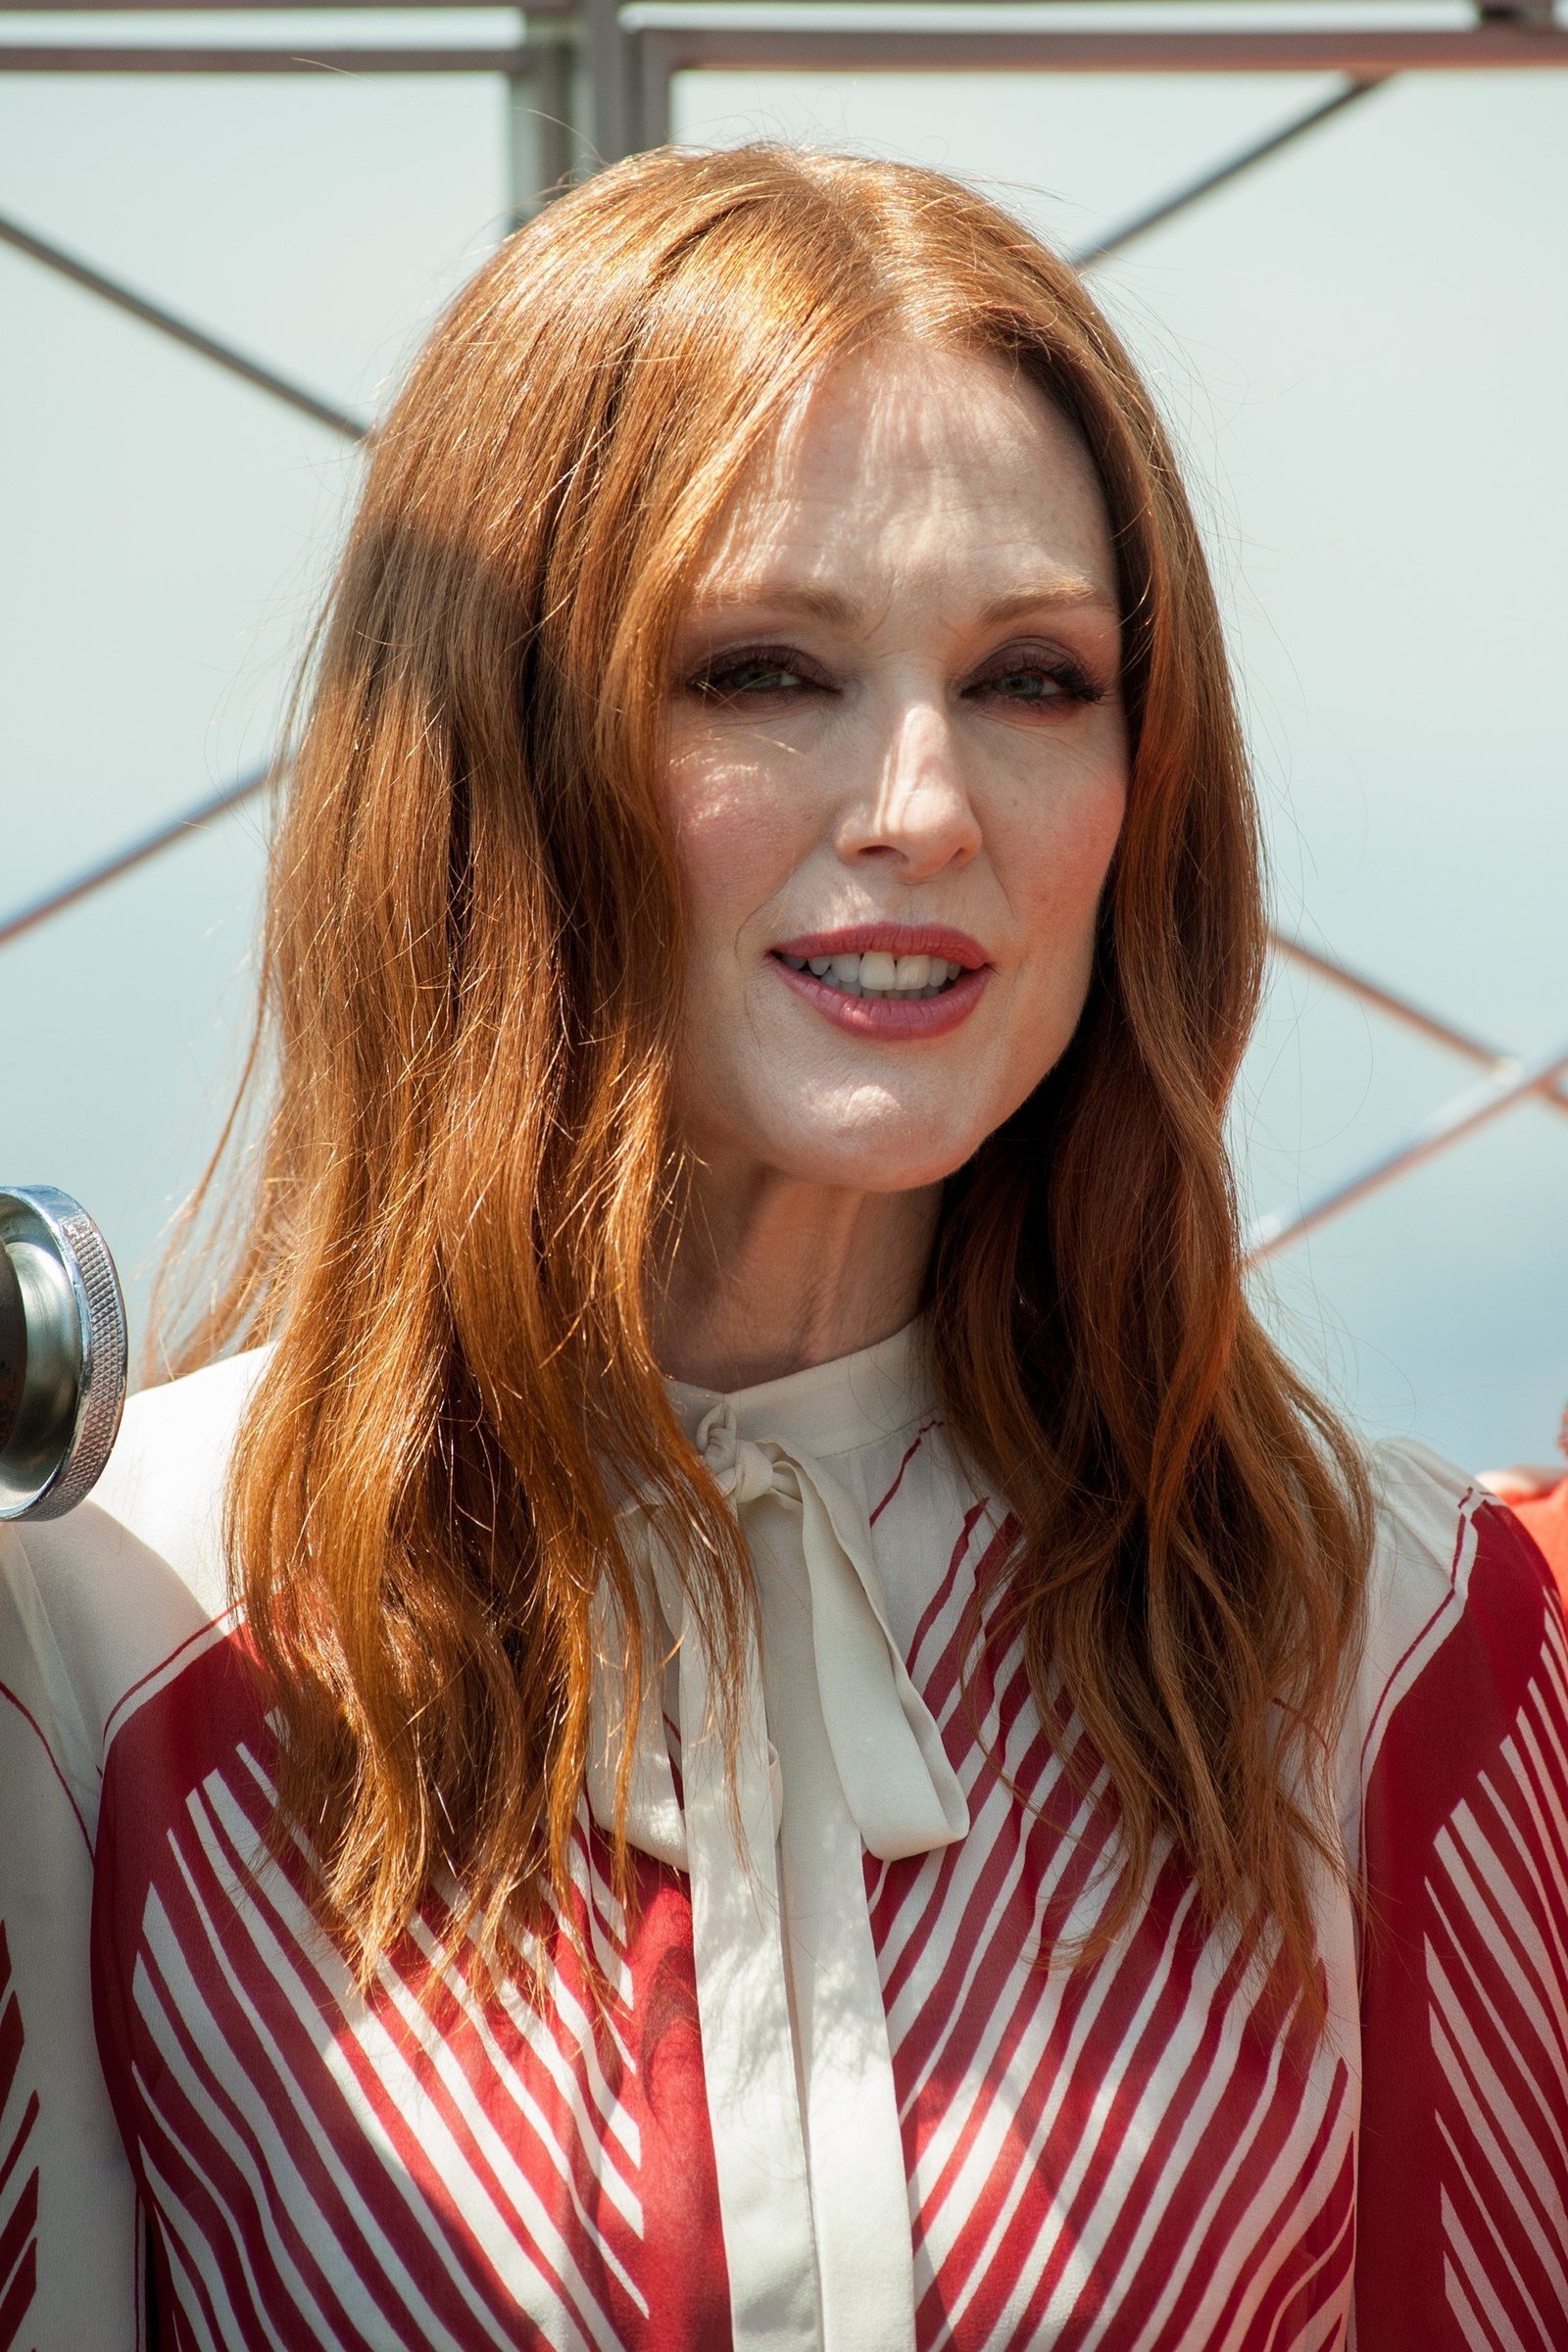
(198, 2112)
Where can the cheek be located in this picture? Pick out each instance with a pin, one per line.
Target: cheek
(1054, 869)
(737, 839)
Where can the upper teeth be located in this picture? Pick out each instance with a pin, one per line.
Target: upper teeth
(879, 974)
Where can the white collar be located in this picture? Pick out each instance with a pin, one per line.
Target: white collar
(828, 1409)
(839, 1755)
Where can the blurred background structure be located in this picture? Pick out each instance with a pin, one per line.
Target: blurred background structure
(1331, 229)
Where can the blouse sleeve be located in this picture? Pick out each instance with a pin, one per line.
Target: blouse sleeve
(1463, 2196)
(69, 2231)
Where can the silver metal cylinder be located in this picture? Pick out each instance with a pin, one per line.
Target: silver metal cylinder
(63, 1354)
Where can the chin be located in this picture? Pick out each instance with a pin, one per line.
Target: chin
(892, 1158)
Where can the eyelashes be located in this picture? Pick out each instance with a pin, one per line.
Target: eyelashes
(751, 673)
(1021, 676)
(1060, 671)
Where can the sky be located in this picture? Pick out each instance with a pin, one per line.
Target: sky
(1361, 347)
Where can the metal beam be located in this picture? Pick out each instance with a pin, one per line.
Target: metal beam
(1364, 54)
(1400, 1008)
(610, 57)
(245, 8)
(31, 56)
(1148, 10)
(1220, 177)
(34, 911)
(181, 330)
(1450, 1126)
(541, 133)
(1368, 53)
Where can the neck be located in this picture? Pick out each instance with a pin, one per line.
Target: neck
(769, 1275)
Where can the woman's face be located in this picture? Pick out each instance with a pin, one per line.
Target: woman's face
(897, 769)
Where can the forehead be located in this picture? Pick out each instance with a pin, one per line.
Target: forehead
(907, 465)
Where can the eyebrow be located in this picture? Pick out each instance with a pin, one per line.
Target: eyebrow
(816, 604)
(1073, 592)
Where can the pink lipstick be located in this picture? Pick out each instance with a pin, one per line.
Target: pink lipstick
(896, 982)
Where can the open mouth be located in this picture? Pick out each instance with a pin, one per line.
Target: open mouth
(895, 979)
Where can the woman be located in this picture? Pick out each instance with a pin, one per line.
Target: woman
(755, 1712)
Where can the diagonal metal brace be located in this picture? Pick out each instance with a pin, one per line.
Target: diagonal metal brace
(173, 830)
(167, 322)
(1450, 1126)
(1413, 1017)
(1180, 199)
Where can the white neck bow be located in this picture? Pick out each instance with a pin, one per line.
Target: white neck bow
(839, 1756)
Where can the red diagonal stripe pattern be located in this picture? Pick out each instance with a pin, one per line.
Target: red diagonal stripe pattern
(1497, 1957)
(1133, 2156)
(1463, 2208)
(1137, 2157)
(425, 2166)
(19, 2185)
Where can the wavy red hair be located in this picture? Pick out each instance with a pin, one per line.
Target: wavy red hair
(472, 982)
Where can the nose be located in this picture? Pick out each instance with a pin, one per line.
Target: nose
(918, 812)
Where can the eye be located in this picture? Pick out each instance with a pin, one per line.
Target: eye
(757, 674)
(1035, 676)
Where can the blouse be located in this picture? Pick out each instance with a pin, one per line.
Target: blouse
(826, 2080)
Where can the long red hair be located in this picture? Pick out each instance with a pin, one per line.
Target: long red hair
(473, 981)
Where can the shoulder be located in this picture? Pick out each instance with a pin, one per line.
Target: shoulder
(1464, 1636)
(107, 1596)
(1447, 1552)
(166, 1478)
(1459, 1841)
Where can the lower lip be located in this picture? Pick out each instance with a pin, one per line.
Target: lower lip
(890, 1017)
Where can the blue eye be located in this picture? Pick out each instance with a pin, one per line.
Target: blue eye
(747, 677)
(1027, 686)
(757, 673)
(1039, 680)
